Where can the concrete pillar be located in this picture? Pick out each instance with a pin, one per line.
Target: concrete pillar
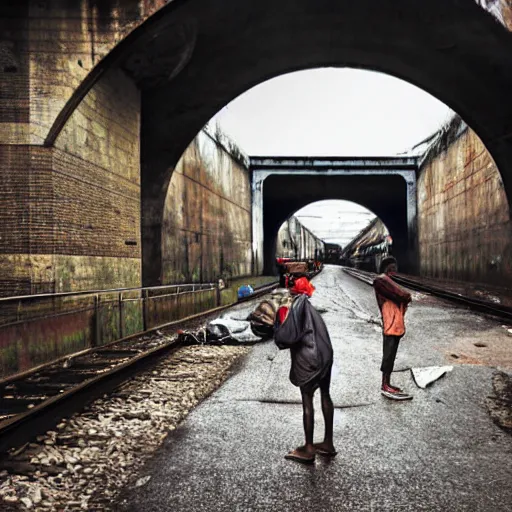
(412, 260)
(257, 221)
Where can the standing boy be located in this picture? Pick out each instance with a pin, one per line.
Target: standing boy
(393, 301)
(302, 330)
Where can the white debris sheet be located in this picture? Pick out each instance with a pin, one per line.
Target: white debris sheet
(426, 376)
(239, 330)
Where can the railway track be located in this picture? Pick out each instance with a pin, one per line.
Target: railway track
(482, 306)
(32, 402)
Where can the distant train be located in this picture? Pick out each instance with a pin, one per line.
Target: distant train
(368, 248)
(296, 241)
(333, 254)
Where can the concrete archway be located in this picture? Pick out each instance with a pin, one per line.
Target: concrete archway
(194, 56)
(281, 201)
(335, 223)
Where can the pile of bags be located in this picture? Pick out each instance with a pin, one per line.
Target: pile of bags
(258, 326)
(263, 318)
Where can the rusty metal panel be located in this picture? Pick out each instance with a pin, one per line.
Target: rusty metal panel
(39, 329)
(28, 344)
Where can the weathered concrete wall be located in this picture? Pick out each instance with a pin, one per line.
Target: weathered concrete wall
(294, 240)
(465, 230)
(71, 219)
(207, 216)
(48, 49)
(97, 172)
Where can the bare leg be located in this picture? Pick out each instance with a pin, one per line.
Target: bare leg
(306, 453)
(328, 412)
(308, 417)
(327, 446)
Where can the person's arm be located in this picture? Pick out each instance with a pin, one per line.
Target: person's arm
(387, 288)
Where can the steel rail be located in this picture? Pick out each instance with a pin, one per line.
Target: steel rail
(24, 426)
(475, 304)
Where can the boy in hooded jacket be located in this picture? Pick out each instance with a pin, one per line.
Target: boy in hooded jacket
(302, 330)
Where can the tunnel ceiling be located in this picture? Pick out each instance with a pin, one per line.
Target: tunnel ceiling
(195, 56)
(385, 196)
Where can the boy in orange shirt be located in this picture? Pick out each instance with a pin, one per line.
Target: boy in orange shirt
(393, 301)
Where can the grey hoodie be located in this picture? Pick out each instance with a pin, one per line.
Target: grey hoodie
(305, 334)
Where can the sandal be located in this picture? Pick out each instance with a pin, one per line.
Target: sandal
(298, 457)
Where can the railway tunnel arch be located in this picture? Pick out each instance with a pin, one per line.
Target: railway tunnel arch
(194, 56)
(390, 208)
(330, 229)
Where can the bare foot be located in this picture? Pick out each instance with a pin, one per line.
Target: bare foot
(325, 449)
(304, 454)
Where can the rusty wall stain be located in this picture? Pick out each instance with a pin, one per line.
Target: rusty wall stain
(463, 215)
(207, 218)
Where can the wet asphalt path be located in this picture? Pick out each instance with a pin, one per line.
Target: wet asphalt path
(438, 452)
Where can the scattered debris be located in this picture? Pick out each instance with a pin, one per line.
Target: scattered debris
(488, 296)
(238, 330)
(426, 376)
(508, 329)
(142, 481)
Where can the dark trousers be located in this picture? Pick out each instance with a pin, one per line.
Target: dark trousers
(389, 348)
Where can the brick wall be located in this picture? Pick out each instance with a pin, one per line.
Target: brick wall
(207, 217)
(464, 226)
(66, 40)
(14, 73)
(72, 212)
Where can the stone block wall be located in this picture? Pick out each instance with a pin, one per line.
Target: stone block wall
(97, 171)
(47, 48)
(71, 208)
(207, 217)
(71, 219)
(464, 225)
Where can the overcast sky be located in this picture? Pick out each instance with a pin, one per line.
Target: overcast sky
(332, 112)
(336, 222)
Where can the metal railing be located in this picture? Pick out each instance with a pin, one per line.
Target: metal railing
(37, 329)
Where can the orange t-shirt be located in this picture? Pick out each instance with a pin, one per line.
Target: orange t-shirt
(392, 301)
